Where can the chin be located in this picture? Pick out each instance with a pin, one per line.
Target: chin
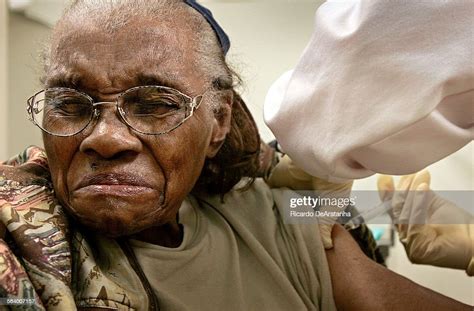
(118, 222)
(113, 227)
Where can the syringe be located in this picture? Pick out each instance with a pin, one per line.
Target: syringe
(367, 215)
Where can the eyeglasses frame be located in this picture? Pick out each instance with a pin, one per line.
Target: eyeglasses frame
(193, 103)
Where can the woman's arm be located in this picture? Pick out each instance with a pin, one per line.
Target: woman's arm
(361, 284)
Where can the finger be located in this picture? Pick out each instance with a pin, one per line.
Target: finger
(419, 208)
(284, 174)
(385, 186)
(296, 172)
(400, 196)
(404, 182)
(422, 177)
(412, 203)
(343, 187)
(326, 231)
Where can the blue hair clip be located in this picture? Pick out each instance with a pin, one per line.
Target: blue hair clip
(221, 35)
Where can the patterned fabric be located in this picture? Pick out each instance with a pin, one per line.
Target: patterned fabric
(103, 276)
(40, 269)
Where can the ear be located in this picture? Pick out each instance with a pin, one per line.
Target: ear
(221, 124)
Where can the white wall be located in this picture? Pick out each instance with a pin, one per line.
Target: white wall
(3, 81)
(266, 40)
(25, 38)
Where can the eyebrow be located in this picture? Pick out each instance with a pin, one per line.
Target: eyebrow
(147, 79)
(74, 81)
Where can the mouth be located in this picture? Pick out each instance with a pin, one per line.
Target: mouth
(113, 184)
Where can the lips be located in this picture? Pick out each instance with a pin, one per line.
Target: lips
(113, 184)
(113, 179)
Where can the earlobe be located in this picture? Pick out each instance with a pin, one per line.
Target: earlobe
(220, 128)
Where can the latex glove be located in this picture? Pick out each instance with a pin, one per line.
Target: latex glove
(267, 158)
(287, 174)
(432, 229)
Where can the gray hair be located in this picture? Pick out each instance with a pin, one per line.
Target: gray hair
(112, 15)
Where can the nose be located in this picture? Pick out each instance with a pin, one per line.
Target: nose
(109, 136)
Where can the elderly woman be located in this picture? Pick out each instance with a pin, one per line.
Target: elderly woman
(145, 138)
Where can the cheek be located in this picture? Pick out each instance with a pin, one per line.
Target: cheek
(183, 163)
(60, 152)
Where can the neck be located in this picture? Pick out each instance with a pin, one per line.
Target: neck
(167, 235)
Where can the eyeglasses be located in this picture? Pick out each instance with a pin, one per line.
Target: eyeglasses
(150, 110)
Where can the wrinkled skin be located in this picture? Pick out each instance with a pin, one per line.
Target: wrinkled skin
(159, 171)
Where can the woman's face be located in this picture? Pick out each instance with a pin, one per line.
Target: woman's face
(112, 179)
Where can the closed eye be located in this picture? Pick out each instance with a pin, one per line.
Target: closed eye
(69, 107)
(156, 109)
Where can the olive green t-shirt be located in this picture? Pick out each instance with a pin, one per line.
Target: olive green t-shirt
(239, 255)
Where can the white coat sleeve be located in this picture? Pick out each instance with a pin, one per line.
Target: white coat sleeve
(382, 86)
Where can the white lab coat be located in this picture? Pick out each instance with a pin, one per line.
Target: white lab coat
(382, 87)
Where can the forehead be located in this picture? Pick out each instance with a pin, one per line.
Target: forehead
(141, 52)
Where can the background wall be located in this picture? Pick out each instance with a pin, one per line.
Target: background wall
(267, 39)
(3, 81)
(24, 41)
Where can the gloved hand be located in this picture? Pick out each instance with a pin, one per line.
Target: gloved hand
(268, 157)
(433, 230)
(287, 174)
